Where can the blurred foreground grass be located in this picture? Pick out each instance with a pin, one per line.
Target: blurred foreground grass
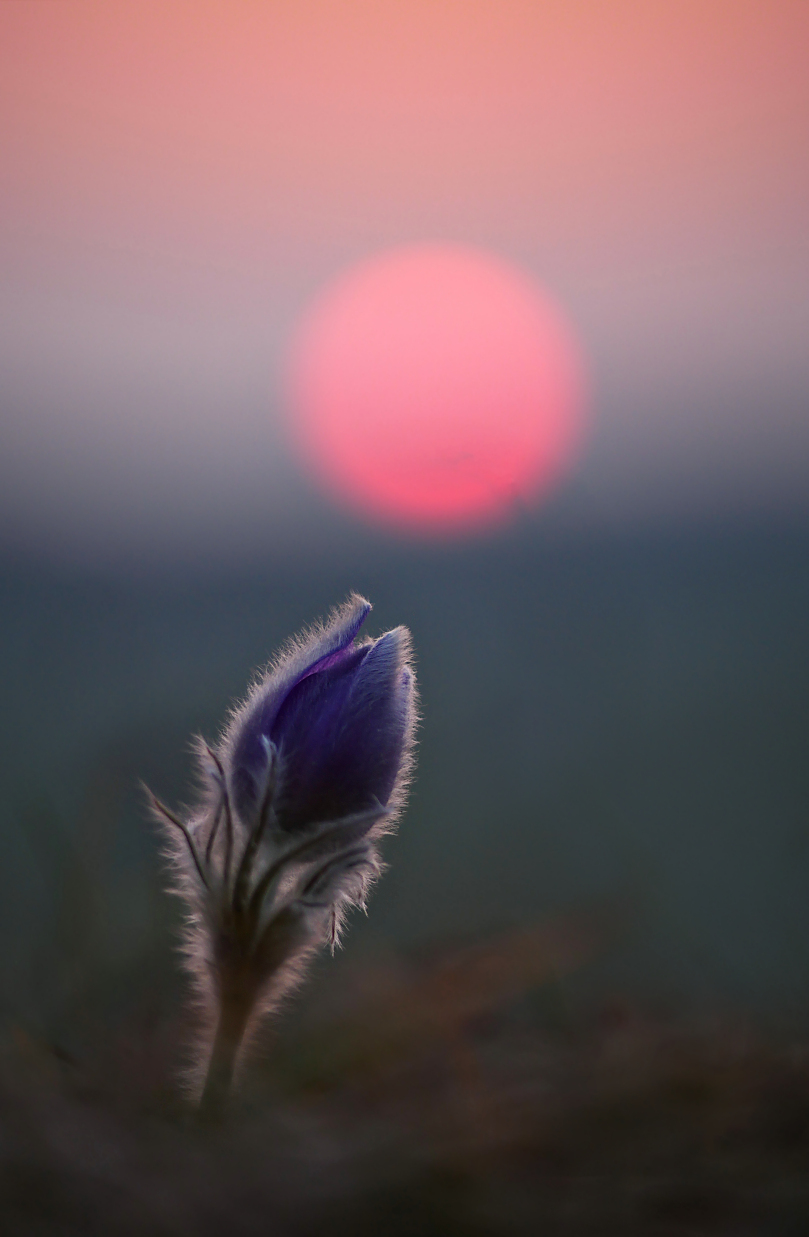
(429, 1095)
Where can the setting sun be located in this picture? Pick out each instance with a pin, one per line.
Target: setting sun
(432, 387)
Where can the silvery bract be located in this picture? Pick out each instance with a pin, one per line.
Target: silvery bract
(311, 771)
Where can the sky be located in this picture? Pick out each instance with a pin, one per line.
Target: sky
(180, 180)
(615, 697)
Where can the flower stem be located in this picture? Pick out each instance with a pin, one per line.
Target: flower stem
(233, 1018)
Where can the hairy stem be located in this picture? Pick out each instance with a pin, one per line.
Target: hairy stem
(236, 1007)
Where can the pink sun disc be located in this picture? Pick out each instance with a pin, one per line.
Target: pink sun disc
(435, 387)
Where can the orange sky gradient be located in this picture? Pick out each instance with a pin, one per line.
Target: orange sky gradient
(227, 132)
(180, 178)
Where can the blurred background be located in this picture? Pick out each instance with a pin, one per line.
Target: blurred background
(615, 675)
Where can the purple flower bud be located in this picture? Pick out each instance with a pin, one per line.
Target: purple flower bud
(339, 716)
(310, 773)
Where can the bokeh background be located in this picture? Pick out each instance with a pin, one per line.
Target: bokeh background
(616, 685)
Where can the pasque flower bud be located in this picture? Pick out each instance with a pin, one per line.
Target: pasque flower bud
(311, 771)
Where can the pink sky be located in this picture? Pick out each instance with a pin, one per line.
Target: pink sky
(225, 132)
(177, 179)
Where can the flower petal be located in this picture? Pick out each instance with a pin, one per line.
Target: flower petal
(341, 735)
(323, 649)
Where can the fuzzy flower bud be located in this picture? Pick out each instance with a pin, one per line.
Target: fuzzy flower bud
(311, 771)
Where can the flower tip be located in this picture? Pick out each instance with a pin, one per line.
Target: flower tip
(349, 618)
(340, 629)
(358, 602)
